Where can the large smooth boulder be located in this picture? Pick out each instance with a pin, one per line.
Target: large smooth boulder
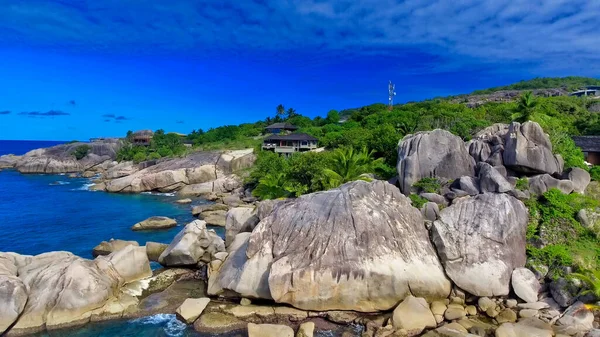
(576, 319)
(13, 293)
(63, 290)
(528, 149)
(530, 327)
(481, 241)
(359, 247)
(239, 220)
(436, 153)
(107, 247)
(525, 285)
(155, 222)
(413, 315)
(193, 243)
(580, 179)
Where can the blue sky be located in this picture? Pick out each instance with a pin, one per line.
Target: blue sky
(74, 69)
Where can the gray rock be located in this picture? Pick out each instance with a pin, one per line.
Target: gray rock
(434, 153)
(188, 247)
(413, 315)
(269, 330)
(528, 149)
(467, 184)
(542, 183)
(490, 180)
(107, 247)
(361, 247)
(593, 333)
(155, 222)
(528, 327)
(197, 210)
(580, 179)
(239, 220)
(576, 319)
(430, 211)
(154, 250)
(434, 197)
(563, 292)
(481, 241)
(525, 285)
(583, 218)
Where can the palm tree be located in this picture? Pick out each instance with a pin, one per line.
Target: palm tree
(291, 112)
(592, 279)
(525, 107)
(272, 186)
(348, 165)
(280, 110)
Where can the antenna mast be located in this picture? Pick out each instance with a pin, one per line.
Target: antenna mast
(391, 94)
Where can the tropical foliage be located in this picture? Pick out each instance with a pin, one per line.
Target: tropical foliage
(348, 164)
(81, 151)
(525, 108)
(591, 279)
(162, 145)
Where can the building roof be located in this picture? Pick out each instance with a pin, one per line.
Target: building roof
(293, 136)
(143, 133)
(285, 126)
(588, 143)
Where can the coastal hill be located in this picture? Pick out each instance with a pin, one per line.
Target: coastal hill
(435, 218)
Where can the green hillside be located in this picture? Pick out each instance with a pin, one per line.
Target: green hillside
(569, 83)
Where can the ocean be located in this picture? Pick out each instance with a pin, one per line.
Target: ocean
(42, 213)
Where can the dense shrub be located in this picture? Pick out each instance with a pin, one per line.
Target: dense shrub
(428, 185)
(417, 200)
(81, 151)
(595, 173)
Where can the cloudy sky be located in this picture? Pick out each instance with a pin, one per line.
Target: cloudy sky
(74, 69)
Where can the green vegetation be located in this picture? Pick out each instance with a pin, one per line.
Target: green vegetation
(162, 145)
(570, 83)
(595, 173)
(428, 185)
(347, 164)
(525, 107)
(81, 151)
(522, 184)
(556, 238)
(417, 200)
(591, 278)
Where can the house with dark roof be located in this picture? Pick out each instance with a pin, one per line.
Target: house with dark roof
(288, 144)
(142, 137)
(590, 145)
(278, 128)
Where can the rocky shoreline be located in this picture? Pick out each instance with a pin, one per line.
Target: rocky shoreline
(360, 255)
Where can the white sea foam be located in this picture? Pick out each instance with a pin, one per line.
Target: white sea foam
(84, 187)
(172, 194)
(60, 183)
(172, 326)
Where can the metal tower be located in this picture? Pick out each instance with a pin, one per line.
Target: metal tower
(391, 93)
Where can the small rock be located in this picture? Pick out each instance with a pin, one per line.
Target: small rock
(154, 249)
(438, 308)
(269, 330)
(413, 315)
(492, 312)
(534, 306)
(430, 211)
(342, 317)
(525, 285)
(453, 326)
(511, 303)
(563, 292)
(184, 201)
(191, 309)
(245, 301)
(435, 198)
(527, 313)
(454, 311)
(196, 210)
(306, 329)
(107, 247)
(485, 303)
(471, 310)
(506, 316)
(155, 222)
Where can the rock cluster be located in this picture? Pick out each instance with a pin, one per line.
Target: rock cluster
(61, 158)
(59, 289)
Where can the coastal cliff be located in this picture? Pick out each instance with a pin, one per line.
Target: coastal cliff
(400, 260)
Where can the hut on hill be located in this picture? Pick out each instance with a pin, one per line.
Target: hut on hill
(590, 145)
(142, 137)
